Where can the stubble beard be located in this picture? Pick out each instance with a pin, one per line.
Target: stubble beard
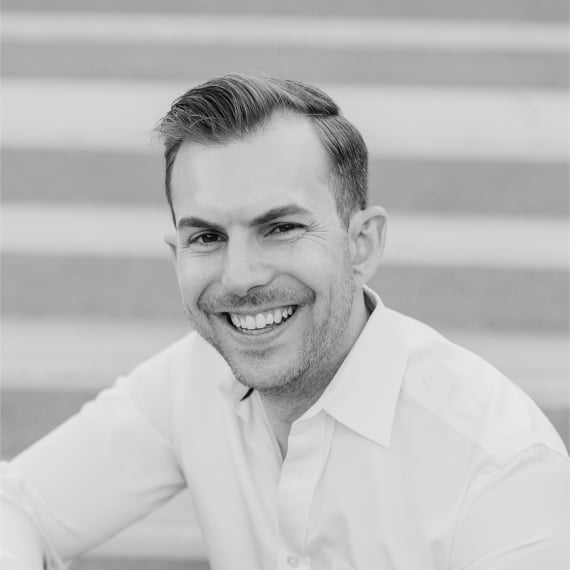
(317, 358)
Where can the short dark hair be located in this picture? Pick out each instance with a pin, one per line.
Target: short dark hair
(228, 108)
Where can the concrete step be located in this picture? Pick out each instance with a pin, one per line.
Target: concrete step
(499, 299)
(356, 50)
(365, 66)
(418, 241)
(443, 186)
(546, 10)
(258, 30)
(525, 125)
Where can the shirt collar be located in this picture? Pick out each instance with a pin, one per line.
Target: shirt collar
(364, 392)
(232, 390)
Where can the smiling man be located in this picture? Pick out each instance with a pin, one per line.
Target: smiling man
(269, 274)
(314, 427)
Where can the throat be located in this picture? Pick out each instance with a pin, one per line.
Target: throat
(279, 429)
(280, 413)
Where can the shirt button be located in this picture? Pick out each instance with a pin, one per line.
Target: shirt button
(293, 561)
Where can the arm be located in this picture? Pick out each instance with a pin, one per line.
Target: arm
(19, 533)
(97, 473)
(518, 520)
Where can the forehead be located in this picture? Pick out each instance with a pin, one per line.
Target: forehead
(281, 164)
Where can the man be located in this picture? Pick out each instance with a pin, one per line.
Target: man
(314, 427)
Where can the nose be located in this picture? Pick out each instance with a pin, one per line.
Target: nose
(244, 267)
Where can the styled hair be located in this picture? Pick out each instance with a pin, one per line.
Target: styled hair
(235, 106)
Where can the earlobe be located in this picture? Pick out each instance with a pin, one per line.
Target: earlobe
(170, 241)
(367, 234)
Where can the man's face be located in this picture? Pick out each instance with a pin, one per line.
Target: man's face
(263, 262)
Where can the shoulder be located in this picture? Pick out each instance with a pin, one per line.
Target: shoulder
(187, 358)
(470, 397)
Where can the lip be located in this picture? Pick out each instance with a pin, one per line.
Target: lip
(258, 338)
(255, 310)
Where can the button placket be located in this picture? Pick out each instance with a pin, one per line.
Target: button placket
(307, 452)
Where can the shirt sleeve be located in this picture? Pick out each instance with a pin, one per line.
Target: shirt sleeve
(518, 520)
(97, 473)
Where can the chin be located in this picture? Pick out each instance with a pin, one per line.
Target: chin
(259, 379)
(264, 377)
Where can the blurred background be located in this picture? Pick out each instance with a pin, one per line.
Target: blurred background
(464, 106)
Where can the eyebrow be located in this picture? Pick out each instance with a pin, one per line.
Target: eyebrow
(266, 217)
(280, 212)
(194, 222)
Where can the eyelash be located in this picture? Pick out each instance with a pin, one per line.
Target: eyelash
(276, 230)
(197, 239)
(291, 226)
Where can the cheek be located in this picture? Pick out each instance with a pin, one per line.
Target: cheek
(193, 279)
(320, 267)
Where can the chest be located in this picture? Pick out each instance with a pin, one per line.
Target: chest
(336, 501)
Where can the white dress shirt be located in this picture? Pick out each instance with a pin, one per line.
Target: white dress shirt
(418, 456)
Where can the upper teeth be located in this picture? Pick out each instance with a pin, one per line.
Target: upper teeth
(261, 320)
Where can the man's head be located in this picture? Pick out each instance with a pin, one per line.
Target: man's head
(269, 269)
(237, 106)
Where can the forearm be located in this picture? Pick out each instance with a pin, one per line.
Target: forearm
(94, 475)
(21, 546)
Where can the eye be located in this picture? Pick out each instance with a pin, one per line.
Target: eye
(285, 228)
(205, 240)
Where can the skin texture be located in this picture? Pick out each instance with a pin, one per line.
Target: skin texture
(236, 252)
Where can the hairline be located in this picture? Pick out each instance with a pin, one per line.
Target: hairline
(332, 178)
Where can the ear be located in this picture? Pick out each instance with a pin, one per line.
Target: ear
(170, 241)
(367, 235)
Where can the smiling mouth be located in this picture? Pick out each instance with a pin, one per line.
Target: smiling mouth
(254, 323)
